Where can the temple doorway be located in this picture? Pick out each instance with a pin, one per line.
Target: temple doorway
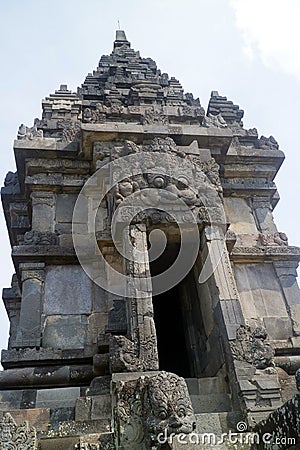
(178, 320)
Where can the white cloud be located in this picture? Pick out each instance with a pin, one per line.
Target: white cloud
(271, 32)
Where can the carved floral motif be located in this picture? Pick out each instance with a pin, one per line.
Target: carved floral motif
(95, 115)
(40, 238)
(16, 437)
(154, 117)
(70, 130)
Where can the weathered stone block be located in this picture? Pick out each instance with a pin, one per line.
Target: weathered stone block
(101, 407)
(11, 398)
(58, 415)
(278, 327)
(64, 207)
(57, 398)
(211, 403)
(37, 417)
(64, 443)
(260, 291)
(100, 386)
(99, 299)
(97, 325)
(65, 332)
(59, 298)
(83, 408)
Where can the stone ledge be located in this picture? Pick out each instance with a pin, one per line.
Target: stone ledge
(46, 376)
(53, 253)
(31, 356)
(261, 254)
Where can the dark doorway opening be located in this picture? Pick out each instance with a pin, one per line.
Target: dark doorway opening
(170, 330)
(170, 321)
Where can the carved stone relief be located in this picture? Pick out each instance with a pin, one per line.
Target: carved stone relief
(154, 117)
(150, 405)
(40, 238)
(16, 437)
(273, 239)
(253, 347)
(70, 130)
(30, 133)
(215, 121)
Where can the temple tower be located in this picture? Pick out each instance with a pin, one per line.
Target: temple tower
(152, 290)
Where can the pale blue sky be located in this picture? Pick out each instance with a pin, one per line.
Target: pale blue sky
(248, 50)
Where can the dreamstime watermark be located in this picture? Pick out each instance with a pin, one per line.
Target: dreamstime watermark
(241, 437)
(133, 188)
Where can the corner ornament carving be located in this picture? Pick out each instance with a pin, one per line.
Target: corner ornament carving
(16, 437)
(273, 239)
(30, 133)
(253, 347)
(124, 356)
(152, 406)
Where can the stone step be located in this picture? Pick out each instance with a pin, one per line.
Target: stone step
(217, 422)
(211, 423)
(207, 385)
(210, 403)
(96, 440)
(74, 428)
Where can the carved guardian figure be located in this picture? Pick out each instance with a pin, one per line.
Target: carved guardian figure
(151, 406)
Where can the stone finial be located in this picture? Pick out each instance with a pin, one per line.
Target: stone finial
(121, 39)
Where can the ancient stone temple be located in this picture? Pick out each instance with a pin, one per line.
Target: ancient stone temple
(153, 293)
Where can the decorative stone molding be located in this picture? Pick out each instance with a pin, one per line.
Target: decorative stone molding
(150, 405)
(274, 252)
(32, 271)
(96, 114)
(70, 130)
(154, 117)
(281, 426)
(16, 437)
(40, 238)
(269, 143)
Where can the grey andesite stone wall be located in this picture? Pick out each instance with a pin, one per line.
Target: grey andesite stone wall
(92, 367)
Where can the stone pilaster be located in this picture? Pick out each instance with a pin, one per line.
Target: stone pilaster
(140, 295)
(29, 332)
(263, 215)
(43, 211)
(287, 273)
(12, 301)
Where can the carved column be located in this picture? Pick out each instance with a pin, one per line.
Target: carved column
(138, 350)
(227, 301)
(29, 333)
(287, 273)
(140, 296)
(43, 211)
